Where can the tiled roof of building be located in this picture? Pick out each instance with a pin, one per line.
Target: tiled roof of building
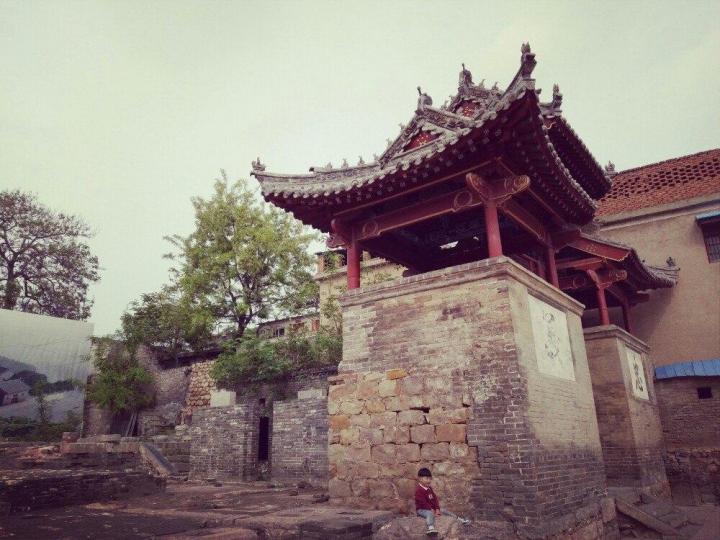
(696, 368)
(436, 137)
(642, 276)
(13, 386)
(663, 183)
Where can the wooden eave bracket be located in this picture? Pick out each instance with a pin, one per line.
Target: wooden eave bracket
(341, 235)
(501, 193)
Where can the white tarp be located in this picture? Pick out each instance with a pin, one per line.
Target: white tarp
(56, 348)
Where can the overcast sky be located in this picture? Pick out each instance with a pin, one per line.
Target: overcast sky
(121, 111)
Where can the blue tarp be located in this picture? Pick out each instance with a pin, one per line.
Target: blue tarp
(697, 368)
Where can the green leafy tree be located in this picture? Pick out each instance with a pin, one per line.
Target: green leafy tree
(168, 322)
(254, 360)
(45, 265)
(120, 382)
(246, 261)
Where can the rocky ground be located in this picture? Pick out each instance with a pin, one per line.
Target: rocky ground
(240, 511)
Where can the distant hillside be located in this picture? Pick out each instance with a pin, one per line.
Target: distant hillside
(15, 365)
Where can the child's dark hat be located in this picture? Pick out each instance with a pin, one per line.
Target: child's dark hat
(425, 472)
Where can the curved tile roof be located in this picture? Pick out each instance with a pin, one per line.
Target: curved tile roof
(472, 116)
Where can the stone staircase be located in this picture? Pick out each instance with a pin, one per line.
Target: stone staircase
(659, 515)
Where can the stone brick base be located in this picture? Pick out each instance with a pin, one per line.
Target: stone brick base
(627, 410)
(478, 372)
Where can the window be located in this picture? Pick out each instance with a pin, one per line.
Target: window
(278, 332)
(710, 225)
(712, 242)
(704, 392)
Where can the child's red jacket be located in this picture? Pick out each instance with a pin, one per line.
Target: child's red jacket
(425, 498)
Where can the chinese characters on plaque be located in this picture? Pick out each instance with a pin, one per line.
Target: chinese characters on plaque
(552, 340)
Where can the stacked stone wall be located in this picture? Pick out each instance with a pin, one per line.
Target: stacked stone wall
(200, 385)
(21, 491)
(692, 436)
(441, 370)
(300, 438)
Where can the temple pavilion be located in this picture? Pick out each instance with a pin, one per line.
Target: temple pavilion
(492, 172)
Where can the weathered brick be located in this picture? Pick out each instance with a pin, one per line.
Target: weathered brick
(384, 420)
(351, 407)
(397, 403)
(411, 418)
(412, 385)
(407, 452)
(339, 422)
(370, 436)
(396, 374)
(450, 432)
(368, 390)
(397, 434)
(342, 392)
(387, 388)
(349, 436)
(383, 453)
(439, 451)
(447, 416)
(422, 434)
(375, 406)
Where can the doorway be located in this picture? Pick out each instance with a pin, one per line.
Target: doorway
(264, 439)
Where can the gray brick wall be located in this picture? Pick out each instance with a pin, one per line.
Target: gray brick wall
(222, 442)
(300, 439)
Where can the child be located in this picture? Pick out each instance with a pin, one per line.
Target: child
(427, 504)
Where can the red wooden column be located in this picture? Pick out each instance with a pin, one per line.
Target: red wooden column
(602, 280)
(342, 235)
(354, 253)
(492, 228)
(551, 267)
(602, 305)
(626, 316)
(494, 195)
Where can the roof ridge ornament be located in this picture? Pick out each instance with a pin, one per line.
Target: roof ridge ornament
(610, 169)
(465, 81)
(527, 61)
(556, 97)
(423, 100)
(257, 165)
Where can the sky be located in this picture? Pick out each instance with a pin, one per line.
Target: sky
(121, 111)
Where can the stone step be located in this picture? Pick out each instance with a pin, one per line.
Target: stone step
(657, 508)
(649, 520)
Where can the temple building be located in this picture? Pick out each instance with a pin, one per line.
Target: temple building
(539, 331)
(475, 361)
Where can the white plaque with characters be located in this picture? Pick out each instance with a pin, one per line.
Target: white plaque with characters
(552, 340)
(637, 374)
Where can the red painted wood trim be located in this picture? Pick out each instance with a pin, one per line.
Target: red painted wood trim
(551, 268)
(353, 265)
